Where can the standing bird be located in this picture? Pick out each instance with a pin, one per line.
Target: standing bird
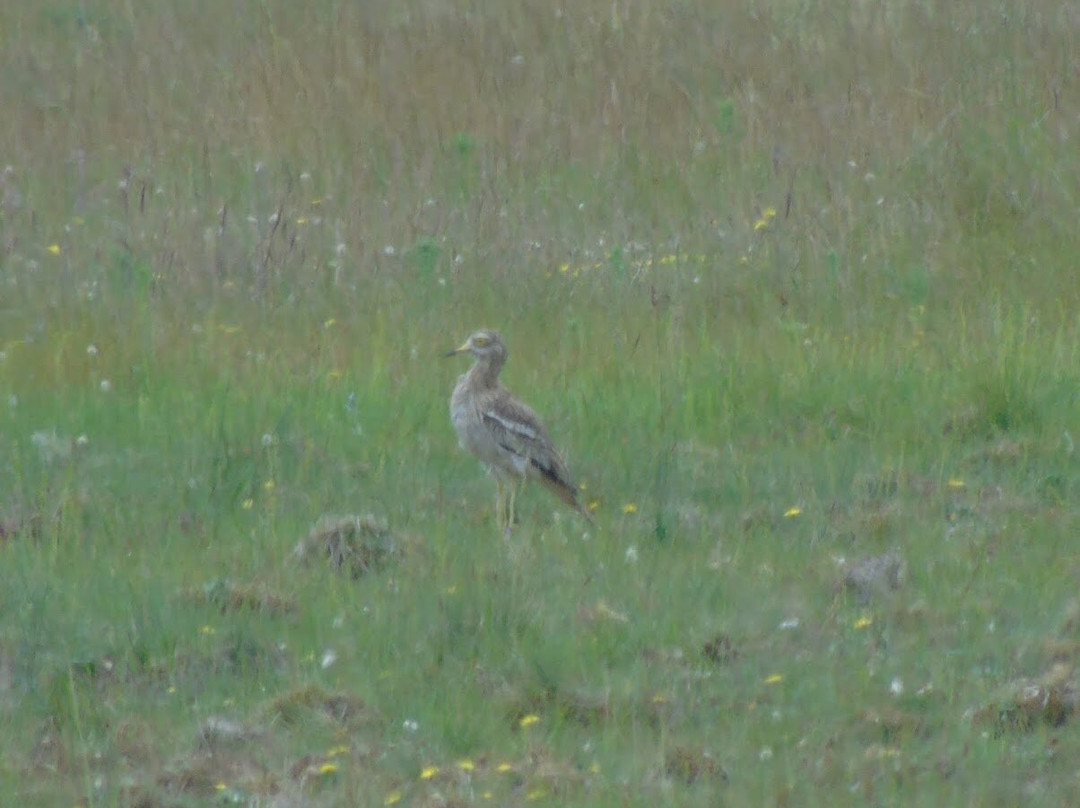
(502, 432)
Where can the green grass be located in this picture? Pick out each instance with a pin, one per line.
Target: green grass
(792, 285)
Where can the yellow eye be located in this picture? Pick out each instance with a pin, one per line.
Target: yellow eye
(481, 341)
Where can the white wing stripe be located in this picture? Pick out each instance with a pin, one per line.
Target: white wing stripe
(516, 427)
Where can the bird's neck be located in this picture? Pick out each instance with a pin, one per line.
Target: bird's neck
(485, 374)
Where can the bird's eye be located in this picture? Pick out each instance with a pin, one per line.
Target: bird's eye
(481, 341)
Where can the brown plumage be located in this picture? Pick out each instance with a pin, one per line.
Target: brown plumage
(502, 432)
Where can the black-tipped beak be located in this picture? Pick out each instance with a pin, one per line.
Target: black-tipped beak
(463, 348)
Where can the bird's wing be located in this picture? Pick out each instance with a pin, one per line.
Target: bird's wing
(515, 427)
(518, 430)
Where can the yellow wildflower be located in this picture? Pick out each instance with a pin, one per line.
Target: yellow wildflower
(393, 798)
(503, 768)
(535, 794)
(863, 622)
(774, 679)
(529, 720)
(629, 507)
(792, 512)
(338, 751)
(54, 249)
(957, 483)
(248, 504)
(428, 772)
(330, 323)
(876, 751)
(767, 215)
(466, 765)
(328, 768)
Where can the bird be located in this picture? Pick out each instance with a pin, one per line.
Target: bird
(503, 433)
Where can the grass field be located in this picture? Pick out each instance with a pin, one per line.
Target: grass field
(794, 285)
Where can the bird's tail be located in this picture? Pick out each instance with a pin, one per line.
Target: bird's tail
(567, 492)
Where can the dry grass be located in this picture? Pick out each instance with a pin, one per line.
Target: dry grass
(870, 129)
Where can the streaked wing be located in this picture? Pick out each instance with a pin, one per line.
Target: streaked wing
(517, 430)
(515, 427)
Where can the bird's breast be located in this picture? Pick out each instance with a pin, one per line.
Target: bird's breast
(463, 416)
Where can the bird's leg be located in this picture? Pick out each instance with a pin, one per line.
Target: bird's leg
(499, 503)
(511, 515)
(509, 524)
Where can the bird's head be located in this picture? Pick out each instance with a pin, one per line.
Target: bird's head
(483, 344)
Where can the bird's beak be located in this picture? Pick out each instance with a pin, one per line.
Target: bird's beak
(464, 347)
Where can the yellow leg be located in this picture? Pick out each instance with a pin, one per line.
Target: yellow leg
(511, 514)
(510, 509)
(500, 504)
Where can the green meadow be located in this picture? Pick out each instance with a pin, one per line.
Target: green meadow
(793, 285)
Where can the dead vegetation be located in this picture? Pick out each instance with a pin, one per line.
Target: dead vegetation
(874, 577)
(351, 545)
(720, 649)
(1051, 698)
(691, 765)
(340, 709)
(227, 596)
